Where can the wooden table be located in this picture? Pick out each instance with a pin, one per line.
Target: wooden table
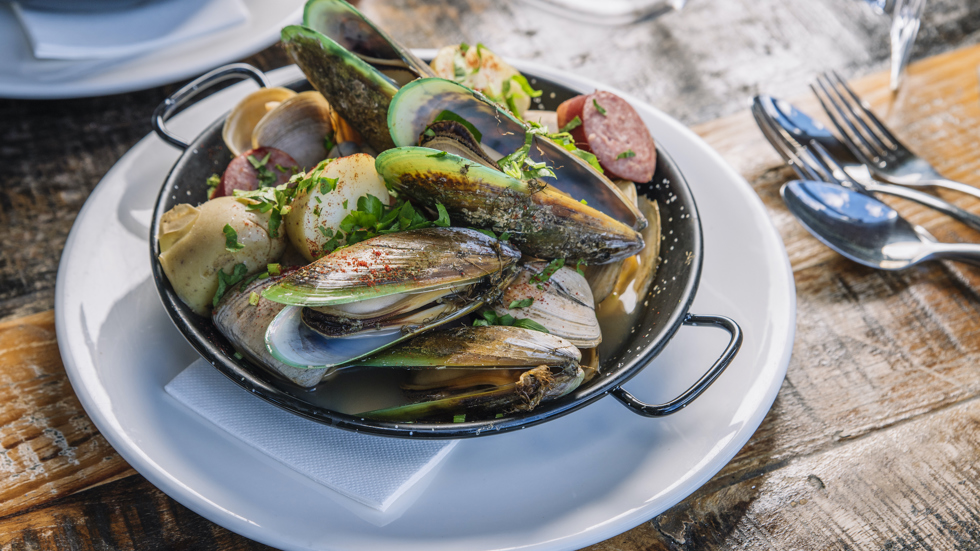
(874, 439)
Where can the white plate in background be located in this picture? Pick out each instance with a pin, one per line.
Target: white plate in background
(564, 484)
(22, 76)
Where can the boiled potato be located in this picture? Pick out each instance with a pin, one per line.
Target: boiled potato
(192, 247)
(312, 210)
(483, 71)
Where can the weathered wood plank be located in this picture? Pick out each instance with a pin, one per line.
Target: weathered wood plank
(128, 514)
(48, 446)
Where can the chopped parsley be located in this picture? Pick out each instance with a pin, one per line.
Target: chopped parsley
(438, 155)
(266, 176)
(372, 218)
(448, 115)
(344, 204)
(231, 239)
(599, 108)
(226, 281)
(584, 202)
(213, 182)
(523, 303)
(327, 185)
(253, 298)
(571, 125)
(519, 163)
(548, 271)
(461, 418)
(273, 269)
(328, 142)
(578, 266)
(489, 317)
(626, 154)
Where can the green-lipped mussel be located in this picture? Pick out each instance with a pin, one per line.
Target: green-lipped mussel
(373, 294)
(489, 371)
(578, 215)
(355, 65)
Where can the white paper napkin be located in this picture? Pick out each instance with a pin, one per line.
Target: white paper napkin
(372, 470)
(125, 32)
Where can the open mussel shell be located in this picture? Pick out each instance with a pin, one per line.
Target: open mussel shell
(376, 293)
(346, 26)
(490, 347)
(563, 304)
(419, 103)
(244, 324)
(405, 262)
(530, 388)
(542, 221)
(354, 88)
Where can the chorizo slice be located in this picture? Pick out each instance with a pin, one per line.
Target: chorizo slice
(241, 174)
(614, 132)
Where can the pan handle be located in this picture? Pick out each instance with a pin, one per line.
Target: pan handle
(166, 109)
(679, 403)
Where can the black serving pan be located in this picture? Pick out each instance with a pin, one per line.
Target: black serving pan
(669, 299)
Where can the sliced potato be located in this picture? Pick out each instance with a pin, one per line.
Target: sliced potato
(315, 216)
(193, 247)
(483, 71)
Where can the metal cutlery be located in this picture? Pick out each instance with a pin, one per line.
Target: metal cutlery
(788, 129)
(906, 20)
(873, 144)
(866, 230)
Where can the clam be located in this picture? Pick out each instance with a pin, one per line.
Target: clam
(297, 126)
(355, 65)
(562, 303)
(421, 102)
(373, 294)
(241, 121)
(602, 278)
(489, 371)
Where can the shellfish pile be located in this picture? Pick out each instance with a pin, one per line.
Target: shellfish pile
(426, 226)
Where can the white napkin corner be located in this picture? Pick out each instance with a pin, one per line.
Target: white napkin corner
(372, 470)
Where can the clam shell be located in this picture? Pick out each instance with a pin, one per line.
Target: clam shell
(241, 121)
(298, 127)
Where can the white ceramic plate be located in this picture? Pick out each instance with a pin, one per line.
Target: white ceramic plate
(564, 484)
(23, 76)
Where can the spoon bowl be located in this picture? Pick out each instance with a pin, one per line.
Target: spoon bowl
(866, 230)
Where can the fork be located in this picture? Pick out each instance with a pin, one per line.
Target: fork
(813, 162)
(872, 143)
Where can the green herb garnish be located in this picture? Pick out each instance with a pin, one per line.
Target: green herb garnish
(328, 142)
(571, 125)
(489, 317)
(226, 281)
(461, 418)
(548, 271)
(626, 154)
(253, 298)
(231, 239)
(438, 155)
(578, 266)
(344, 204)
(523, 303)
(599, 108)
(266, 176)
(213, 182)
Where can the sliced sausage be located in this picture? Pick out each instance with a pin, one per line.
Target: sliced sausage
(240, 173)
(614, 132)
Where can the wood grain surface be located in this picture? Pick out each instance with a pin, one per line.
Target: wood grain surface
(874, 439)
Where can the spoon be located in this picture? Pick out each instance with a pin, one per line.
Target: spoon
(866, 230)
(798, 130)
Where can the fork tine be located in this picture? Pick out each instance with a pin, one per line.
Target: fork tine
(839, 121)
(867, 111)
(818, 160)
(871, 141)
